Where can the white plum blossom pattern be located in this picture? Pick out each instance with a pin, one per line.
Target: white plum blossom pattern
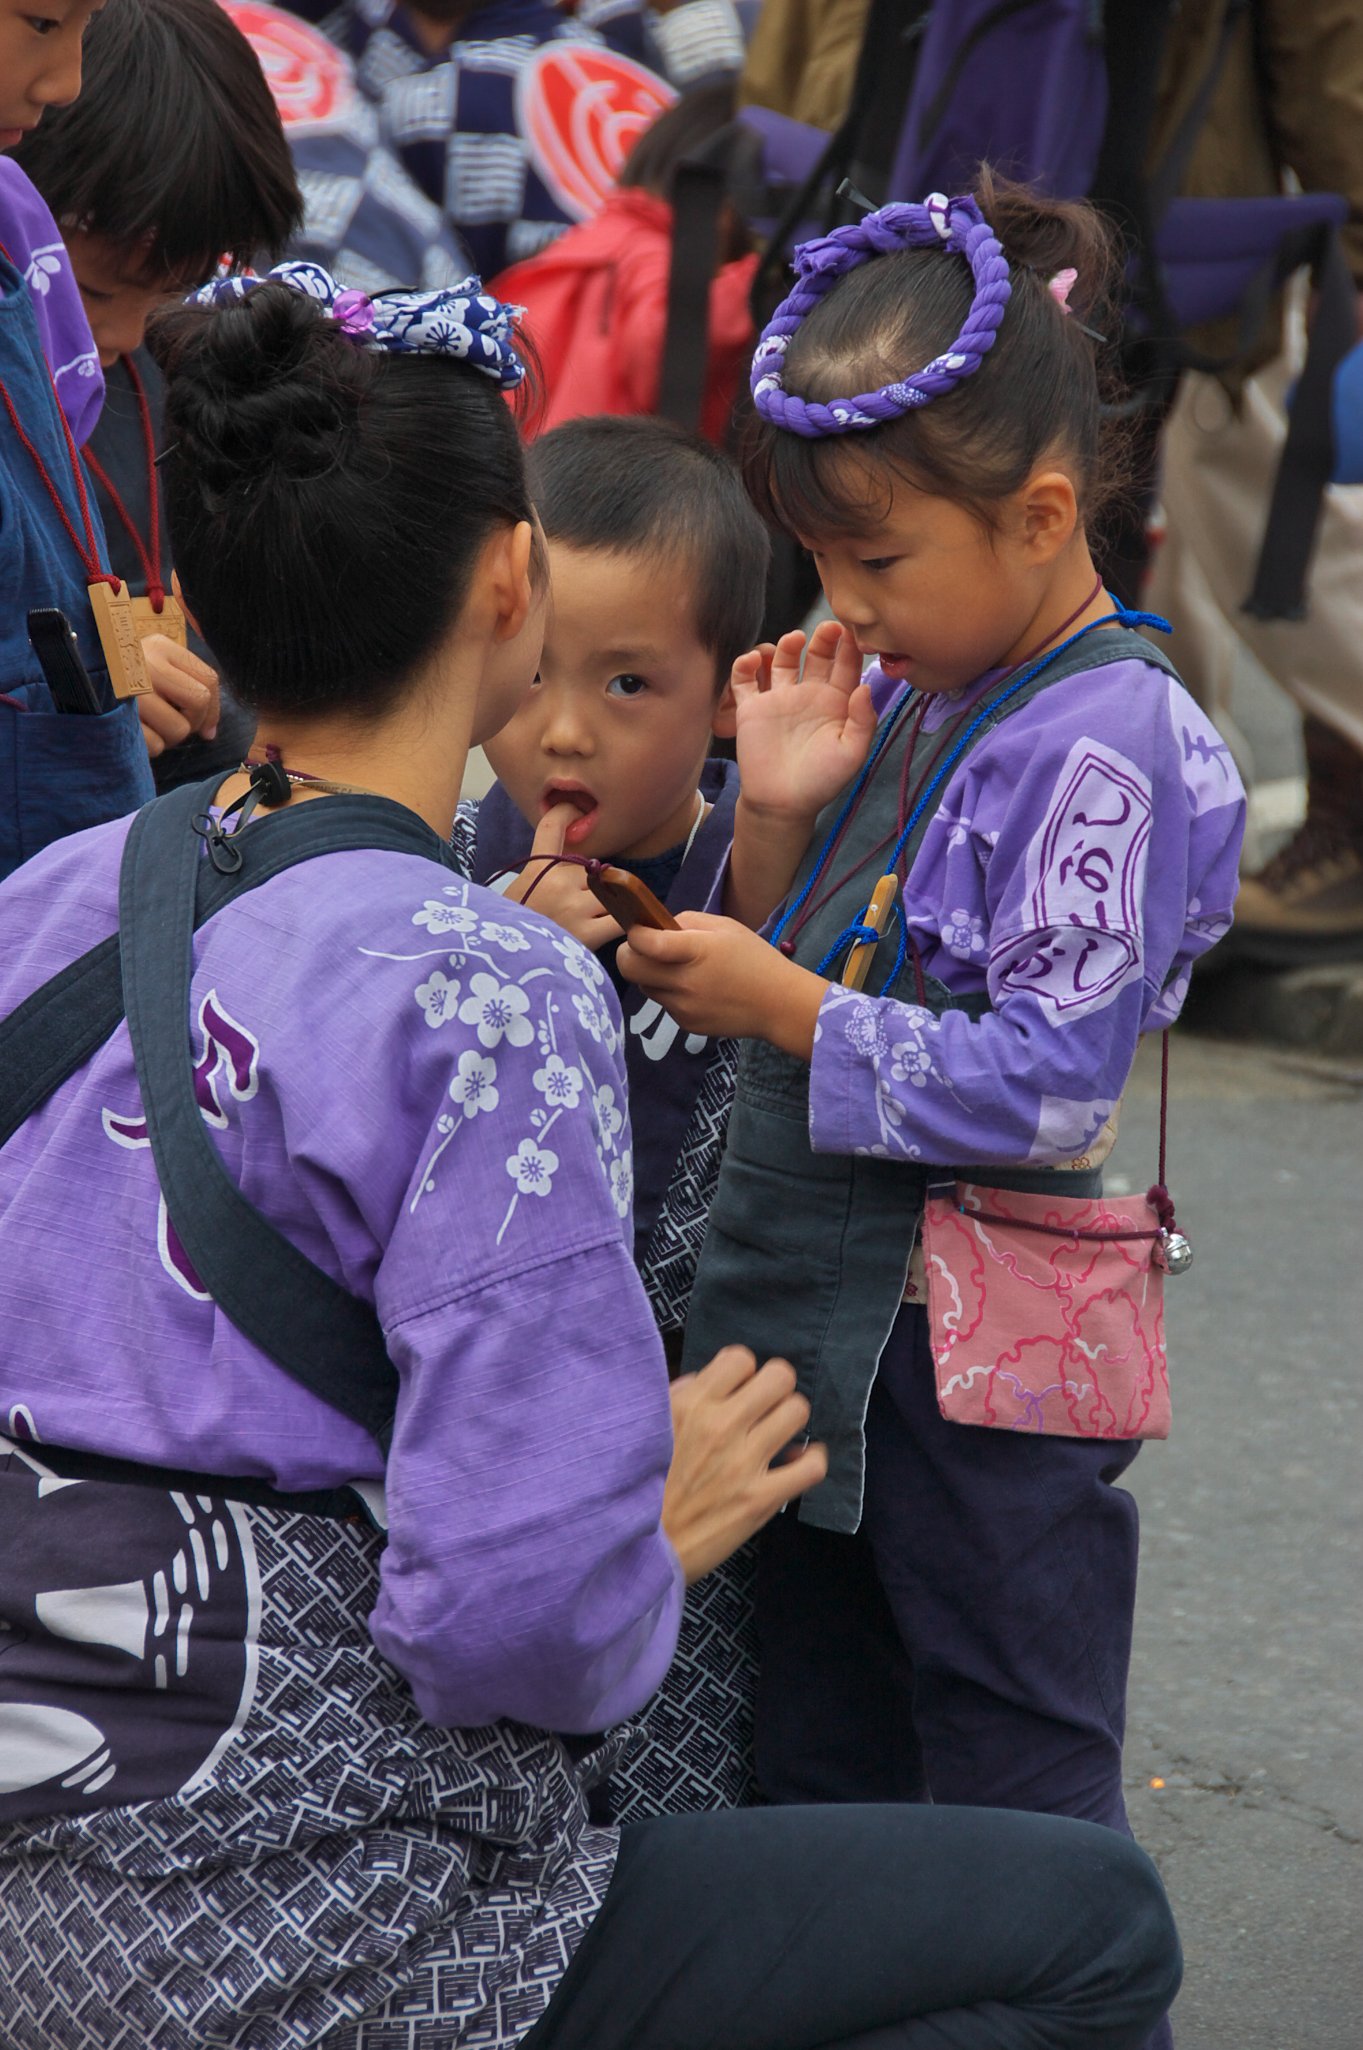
(578, 960)
(865, 1029)
(610, 1118)
(532, 1168)
(509, 938)
(519, 1055)
(474, 1087)
(44, 265)
(622, 1183)
(558, 1083)
(438, 917)
(910, 1060)
(593, 1017)
(896, 1041)
(437, 996)
(499, 1009)
(963, 934)
(588, 1015)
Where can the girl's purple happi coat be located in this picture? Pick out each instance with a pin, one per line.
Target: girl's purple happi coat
(1082, 858)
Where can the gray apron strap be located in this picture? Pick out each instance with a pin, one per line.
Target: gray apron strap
(311, 1327)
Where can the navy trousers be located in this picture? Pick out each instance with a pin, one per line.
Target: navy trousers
(970, 1644)
(869, 1929)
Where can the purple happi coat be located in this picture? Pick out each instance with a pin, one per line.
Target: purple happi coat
(304, 1775)
(29, 233)
(1083, 856)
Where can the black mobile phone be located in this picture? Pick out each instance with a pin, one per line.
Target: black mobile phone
(55, 645)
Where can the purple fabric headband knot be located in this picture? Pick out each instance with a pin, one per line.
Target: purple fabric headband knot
(954, 225)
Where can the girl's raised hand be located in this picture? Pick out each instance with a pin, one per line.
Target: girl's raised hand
(801, 738)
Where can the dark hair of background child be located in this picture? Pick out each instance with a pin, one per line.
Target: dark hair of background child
(1038, 390)
(174, 146)
(678, 131)
(635, 486)
(327, 502)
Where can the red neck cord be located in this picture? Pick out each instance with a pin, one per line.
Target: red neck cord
(148, 550)
(88, 550)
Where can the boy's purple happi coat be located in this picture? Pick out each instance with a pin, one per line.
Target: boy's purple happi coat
(1083, 856)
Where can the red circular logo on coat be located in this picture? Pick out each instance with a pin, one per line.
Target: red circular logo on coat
(311, 79)
(581, 109)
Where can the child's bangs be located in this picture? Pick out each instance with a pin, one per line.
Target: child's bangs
(824, 486)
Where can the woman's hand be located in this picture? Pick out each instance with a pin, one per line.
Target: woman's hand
(183, 698)
(731, 1421)
(800, 738)
(561, 891)
(716, 976)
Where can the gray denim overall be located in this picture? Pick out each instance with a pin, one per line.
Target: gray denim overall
(807, 1254)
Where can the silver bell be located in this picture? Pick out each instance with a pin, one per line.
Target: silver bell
(1173, 1252)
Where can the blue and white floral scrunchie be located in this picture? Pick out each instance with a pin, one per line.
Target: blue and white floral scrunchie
(463, 321)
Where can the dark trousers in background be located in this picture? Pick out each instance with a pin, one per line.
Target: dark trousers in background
(970, 1644)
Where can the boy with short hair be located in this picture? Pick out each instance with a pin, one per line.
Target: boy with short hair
(658, 570)
(658, 567)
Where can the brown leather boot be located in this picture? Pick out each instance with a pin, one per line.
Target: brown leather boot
(1307, 904)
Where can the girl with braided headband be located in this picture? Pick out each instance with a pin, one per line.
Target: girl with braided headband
(950, 1612)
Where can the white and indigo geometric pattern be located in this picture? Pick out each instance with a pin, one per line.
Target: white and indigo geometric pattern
(345, 1874)
(668, 1267)
(697, 1748)
(454, 119)
(363, 216)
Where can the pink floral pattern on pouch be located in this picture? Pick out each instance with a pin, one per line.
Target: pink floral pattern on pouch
(1031, 1331)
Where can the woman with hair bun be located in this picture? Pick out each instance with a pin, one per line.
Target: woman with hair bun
(342, 1499)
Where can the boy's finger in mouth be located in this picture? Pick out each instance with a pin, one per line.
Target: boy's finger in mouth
(582, 800)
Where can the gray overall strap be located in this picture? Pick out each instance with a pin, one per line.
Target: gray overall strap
(66, 1020)
(308, 1324)
(806, 1254)
(314, 1329)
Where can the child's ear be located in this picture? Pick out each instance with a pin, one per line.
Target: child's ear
(724, 720)
(1050, 514)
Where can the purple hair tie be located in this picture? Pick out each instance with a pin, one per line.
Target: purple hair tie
(954, 225)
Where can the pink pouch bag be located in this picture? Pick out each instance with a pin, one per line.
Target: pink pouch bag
(1046, 1313)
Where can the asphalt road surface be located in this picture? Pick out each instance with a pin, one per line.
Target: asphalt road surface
(1244, 1752)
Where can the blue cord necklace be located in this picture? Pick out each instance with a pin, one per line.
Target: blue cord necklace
(859, 933)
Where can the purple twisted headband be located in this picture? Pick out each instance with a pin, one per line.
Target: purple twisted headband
(956, 225)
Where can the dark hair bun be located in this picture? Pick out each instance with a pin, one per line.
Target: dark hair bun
(327, 502)
(265, 384)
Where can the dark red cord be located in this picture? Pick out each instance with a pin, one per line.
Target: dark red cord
(87, 550)
(151, 572)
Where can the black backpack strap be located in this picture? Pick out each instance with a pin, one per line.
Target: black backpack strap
(308, 1324)
(697, 196)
